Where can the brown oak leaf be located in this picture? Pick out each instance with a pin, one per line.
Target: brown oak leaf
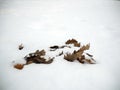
(19, 66)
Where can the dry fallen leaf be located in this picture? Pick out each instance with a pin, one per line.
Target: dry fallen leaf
(38, 57)
(19, 66)
(78, 55)
(85, 47)
(73, 41)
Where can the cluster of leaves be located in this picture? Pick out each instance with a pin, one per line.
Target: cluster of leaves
(79, 55)
(38, 57)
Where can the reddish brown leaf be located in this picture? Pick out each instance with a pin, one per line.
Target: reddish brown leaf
(19, 66)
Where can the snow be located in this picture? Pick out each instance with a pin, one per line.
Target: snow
(39, 24)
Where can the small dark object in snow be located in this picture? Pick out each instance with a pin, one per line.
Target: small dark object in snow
(54, 47)
(60, 54)
(20, 47)
(89, 54)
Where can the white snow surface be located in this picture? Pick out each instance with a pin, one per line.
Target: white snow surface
(39, 24)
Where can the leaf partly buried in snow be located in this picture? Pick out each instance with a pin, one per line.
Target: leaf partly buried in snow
(73, 41)
(85, 47)
(73, 56)
(38, 58)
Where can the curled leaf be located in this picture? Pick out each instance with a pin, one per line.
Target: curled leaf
(54, 47)
(73, 41)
